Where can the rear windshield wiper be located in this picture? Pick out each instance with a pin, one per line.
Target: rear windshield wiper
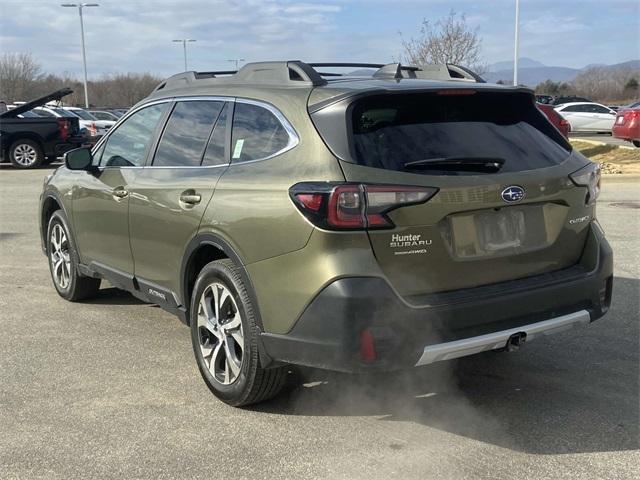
(458, 164)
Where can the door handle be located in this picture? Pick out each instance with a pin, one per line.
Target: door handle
(190, 197)
(120, 192)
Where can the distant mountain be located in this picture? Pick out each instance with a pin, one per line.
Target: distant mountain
(523, 62)
(533, 75)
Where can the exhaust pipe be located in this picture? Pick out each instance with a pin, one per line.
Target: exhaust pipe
(516, 341)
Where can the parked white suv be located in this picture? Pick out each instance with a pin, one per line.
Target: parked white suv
(102, 126)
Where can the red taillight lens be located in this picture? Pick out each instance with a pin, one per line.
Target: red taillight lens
(630, 114)
(367, 347)
(63, 127)
(310, 201)
(93, 129)
(354, 206)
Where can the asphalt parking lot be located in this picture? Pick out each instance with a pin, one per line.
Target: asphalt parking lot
(601, 137)
(109, 389)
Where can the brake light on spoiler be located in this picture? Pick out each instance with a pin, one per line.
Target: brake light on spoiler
(354, 206)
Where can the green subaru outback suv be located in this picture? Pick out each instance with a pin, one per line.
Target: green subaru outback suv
(293, 215)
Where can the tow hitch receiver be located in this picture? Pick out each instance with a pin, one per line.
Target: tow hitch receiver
(515, 341)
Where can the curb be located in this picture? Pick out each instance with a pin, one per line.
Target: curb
(595, 142)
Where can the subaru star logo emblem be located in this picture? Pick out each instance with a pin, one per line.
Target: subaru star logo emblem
(512, 194)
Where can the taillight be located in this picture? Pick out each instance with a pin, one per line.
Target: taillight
(93, 129)
(589, 177)
(631, 114)
(354, 206)
(457, 91)
(63, 128)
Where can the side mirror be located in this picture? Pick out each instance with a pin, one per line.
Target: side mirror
(79, 159)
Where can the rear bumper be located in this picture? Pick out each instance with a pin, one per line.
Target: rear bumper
(408, 332)
(628, 132)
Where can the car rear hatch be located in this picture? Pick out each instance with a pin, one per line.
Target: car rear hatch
(501, 205)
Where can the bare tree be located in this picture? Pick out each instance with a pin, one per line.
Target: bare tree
(18, 72)
(606, 84)
(448, 40)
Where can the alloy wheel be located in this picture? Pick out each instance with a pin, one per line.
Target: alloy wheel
(59, 255)
(25, 154)
(220, 333)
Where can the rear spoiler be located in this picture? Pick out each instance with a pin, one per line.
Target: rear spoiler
(57, 95)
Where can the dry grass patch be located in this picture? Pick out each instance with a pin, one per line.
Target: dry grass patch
(613, 158)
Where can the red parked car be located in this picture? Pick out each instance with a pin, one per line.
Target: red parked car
(627, 124)
(555, 118)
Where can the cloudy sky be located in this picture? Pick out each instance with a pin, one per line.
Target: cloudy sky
(135, 35)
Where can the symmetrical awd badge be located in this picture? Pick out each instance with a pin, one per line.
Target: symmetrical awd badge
(512, 194)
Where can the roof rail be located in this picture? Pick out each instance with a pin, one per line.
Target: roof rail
(295, 73)
(288, 73)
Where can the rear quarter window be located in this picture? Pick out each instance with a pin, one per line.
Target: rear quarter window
(257, 133)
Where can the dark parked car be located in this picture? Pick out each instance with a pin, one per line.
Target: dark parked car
(28, 141)
(569, 99)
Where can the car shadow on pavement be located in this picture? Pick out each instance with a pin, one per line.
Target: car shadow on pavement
(575, 392)
(114, 296)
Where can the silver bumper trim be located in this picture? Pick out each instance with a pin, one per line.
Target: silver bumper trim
(496, 340)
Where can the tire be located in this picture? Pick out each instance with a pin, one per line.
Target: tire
(63, 262)
(636, 143)
(226, 346)
(26, 153)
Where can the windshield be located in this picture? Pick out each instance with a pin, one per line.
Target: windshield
(83, 114)
(61, 112)
(29, 114)
(390, 131)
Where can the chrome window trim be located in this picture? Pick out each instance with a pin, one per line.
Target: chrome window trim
(294, 138)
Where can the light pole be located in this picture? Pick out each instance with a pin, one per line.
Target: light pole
(236, 61)
(184, 42)
(516, 45)
(84, 55)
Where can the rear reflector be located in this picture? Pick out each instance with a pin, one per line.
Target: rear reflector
(367, 347)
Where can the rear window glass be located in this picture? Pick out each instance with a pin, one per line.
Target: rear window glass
(391, 131)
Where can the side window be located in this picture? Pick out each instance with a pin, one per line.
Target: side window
(186, 134)
(128, 145)
(574, 108)
(44, 113)
(257, 133)
(599, 109)
(214, 155)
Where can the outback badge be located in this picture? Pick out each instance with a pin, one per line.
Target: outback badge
(512, 194)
